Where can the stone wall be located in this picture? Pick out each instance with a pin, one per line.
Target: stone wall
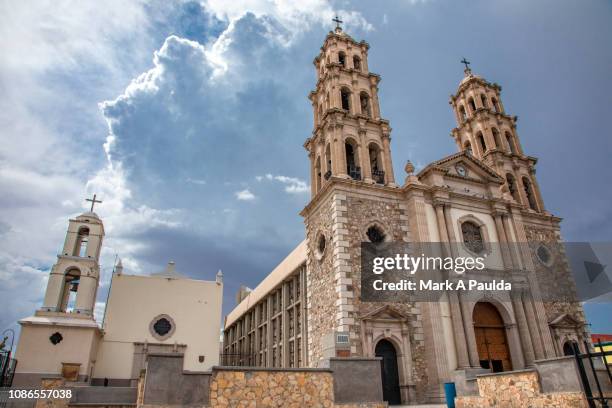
(271, 388)
(516, 389)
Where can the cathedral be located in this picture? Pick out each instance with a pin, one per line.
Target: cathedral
(309, 308)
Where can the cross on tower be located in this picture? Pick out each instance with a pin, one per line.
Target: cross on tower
(466, 63)
(338, 22)
(93, 202)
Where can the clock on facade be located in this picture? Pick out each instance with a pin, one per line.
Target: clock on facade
(461, 170)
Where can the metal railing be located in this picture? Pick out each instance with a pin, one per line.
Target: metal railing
(584, 378)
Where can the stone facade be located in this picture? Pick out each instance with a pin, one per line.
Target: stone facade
(517, 390)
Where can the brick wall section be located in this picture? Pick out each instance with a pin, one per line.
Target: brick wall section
(515, 390)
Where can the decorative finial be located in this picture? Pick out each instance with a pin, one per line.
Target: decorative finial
(219, 277)
(93, 202)
(338, 22)
(409, 168)
(119, 267)
(467, 69)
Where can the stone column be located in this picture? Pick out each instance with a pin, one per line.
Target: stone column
(514, 344)
(340, 152)
(501, 235)
(457, 320)
(364, 158)
(523, 328)
(386, 155)
(470, 335)
(532, 323)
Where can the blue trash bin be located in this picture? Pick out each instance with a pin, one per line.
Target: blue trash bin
(450, 392)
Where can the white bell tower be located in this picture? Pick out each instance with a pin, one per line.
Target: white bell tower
(62, 337)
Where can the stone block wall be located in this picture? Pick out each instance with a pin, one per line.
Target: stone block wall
(517, 389)
(271, 388)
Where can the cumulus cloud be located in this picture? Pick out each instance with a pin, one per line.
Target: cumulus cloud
(245, 195)
(293, 185)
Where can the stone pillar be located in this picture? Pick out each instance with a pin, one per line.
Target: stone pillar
(86, 295)
(503, 245)
(523, 328)
(532, 323)
(514, 344)
(388, 165)
(470, 335)
(457, 320)
(374, 102)
(364, 158)
(340, 152)
(53, 293)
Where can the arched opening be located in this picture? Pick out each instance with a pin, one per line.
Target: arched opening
(317, 174)
(350, 150)
(481, 142)
(512, 187)
(342, 59)
(364, 100)
(389, 371)
(357, 63)
(69, 290)
(375, 234)
(483, 99)
(569, 347)
(345, 98)
(529, 193)
(472, 105)
(328, 162)
(467, 146)
(462, 113)
(495, 104)
(472, 236)
(376, 167)
(510, 142)
(80, 247)
(490, 331)
(496, 138)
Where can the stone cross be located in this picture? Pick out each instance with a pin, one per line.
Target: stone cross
(93, 202)
(466, 63)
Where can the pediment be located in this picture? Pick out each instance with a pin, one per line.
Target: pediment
(463, 166)
(384, 313)
(564, 320)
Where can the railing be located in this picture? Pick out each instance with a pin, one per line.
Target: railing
(584, 378)
(238, 359)
(378, 176)
(354, 172)
(7, 368)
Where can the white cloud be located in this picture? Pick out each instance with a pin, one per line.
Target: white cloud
(245, 195)
(293, 185)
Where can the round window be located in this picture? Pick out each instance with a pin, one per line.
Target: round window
(162, 327)
(544, 255)
(375, 234)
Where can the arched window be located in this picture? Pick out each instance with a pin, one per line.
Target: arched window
(467, 146)
(529, 193)
(568, 348)
(496, 138)
(345, 97)
(376, 167)
(317, 174)
(495, 104)
(472, 105)
(342, 59)
(350, 149)
(483, 99)
(472, 236)
(357, 63)
(80, 247)
(512, 186)
(328, 163)
(364, 100)
(375, 234)
(462, 113)
(481, 141)
(69, 290)
(510, 142)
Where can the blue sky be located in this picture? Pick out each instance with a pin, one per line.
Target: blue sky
(188, 119)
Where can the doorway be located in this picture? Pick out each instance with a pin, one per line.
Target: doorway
(389, 371)
(493, 350)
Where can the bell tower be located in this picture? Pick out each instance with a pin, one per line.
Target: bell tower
(73, 281)
(62, 337)
(350, 140)
(485, 130)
